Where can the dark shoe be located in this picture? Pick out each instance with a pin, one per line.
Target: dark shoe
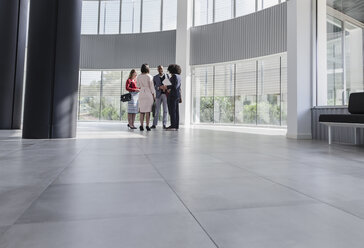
(133, 128)
(153, 127)
(148, 128)
(141, 128)
(171, 129)
(164, 127)
(129, 126)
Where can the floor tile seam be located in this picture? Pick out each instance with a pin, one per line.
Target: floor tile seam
(174, 180)
(185, 206)
(12, 152)
(297, 204)
(302, 193)
(350, 159)
(2, 235)
(111, 183)
(90, 219)
(46, 187)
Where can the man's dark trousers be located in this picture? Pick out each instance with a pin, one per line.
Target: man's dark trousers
(173, 109)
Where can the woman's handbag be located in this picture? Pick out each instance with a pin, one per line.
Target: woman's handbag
(126, 97)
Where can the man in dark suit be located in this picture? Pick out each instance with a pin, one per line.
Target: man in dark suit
(161, 97)
(174, 95)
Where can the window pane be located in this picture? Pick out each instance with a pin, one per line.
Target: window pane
(202, 95)
(244, 7)
(90, 95)
(130, 16)
(263, 4)
(246, 92)
(111, 90)
(223, 10)
(109, 16)
(169, 14)
(335, 82)
(269, 91)
(203, 12)
(90, 17)
(353, 59)
(151, 15)
(284, 90)
(224, 94)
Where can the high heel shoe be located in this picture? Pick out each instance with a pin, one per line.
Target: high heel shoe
(148, 128)
(141, 128)
(129, 126)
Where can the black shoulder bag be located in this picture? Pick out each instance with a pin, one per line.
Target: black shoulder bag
(126, 97)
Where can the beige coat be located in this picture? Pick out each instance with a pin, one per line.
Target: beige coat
(146, 85)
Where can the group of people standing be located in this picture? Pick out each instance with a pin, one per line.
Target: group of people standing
(146, 91)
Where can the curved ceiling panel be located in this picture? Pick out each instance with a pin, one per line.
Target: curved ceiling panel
(127, 50)
(254, 35)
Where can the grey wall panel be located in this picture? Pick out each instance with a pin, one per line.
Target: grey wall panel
(127, 50)
(258, 34)
(339, 134)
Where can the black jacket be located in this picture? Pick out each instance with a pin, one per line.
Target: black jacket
(175, 87)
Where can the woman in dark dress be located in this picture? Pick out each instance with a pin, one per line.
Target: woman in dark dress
(174, 96)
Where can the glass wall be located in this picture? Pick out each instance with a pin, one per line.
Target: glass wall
(269, 91)
(128, 16)
(344, 56)
(224, 10)
(169, 20)
(245, 7)
(246, 92)
(209, 11)
(203, 12)
(109, 17)
(90, 17)
(203, 94)
(89, 95)
(151, 15)
(99, 95)
(224, 93)
(251, 92)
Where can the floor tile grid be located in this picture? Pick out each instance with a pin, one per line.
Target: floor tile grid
(43, 190)
(190, 212)
(295, 190)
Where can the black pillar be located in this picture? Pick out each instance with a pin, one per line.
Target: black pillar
(13, 23)
(52, 69)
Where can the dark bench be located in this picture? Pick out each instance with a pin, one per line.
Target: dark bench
(355, 119)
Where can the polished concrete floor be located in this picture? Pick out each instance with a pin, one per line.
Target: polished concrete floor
(196, 188)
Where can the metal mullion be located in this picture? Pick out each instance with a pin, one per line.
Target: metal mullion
(141, 15)
(213, 11)
(234, 93)
(79, 95)
(99, 16)
(120, 10)
(161, 20)
(256, 5)
(101, 86)
(193, 12)
(213, 94)
(256, 91)
(343, 50)
(234, 8)
(280, 89)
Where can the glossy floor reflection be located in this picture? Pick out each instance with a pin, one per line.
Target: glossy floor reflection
(194, 188)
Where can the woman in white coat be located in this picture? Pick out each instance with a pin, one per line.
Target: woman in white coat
(146, 95)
